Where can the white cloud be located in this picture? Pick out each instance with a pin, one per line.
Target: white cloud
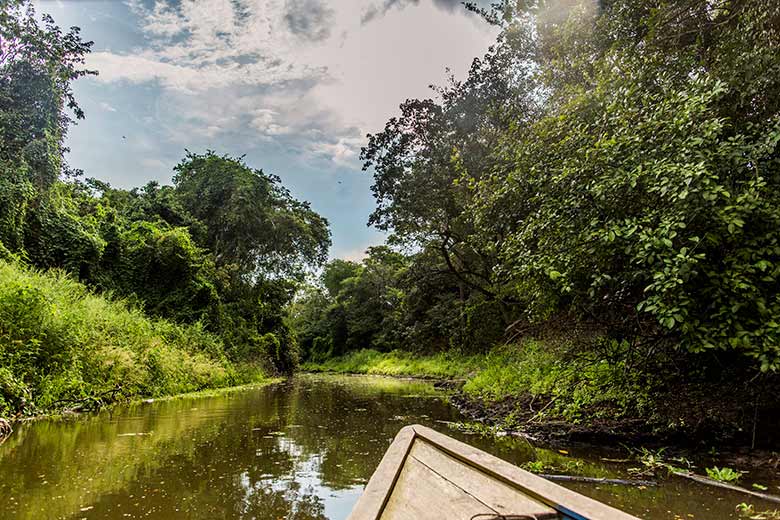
(398, 57)
(141, 69)
(161, 21)
(354, 255)
(155, 164)
(343, 152)
(105, 106)
(314, 75)
(264, 121)
(359, 253)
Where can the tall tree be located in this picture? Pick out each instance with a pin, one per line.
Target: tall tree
(644, 197)
(38, 63)
(251, 220)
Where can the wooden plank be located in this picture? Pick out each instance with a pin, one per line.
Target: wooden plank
(564, 500)
(501, 497)
(421, 494)
(380, 485)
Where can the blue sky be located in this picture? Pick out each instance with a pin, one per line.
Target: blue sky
(294, 85)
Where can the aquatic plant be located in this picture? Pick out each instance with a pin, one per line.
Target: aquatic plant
(749, 511)
(654, 462)
(724, 474)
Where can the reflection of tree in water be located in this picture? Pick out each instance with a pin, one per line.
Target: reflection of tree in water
(281, 452)
(354, 423)
(265, 500)
(238, 473)
(372, 414)
(298, 451)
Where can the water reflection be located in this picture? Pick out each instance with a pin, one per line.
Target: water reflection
(300, 450)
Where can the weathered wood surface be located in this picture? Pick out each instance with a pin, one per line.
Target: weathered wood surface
(379, 487)
(434, 485)
(426, 475)
(499, 497)
(420, 494)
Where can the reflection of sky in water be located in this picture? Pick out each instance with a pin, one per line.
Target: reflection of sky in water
(304, 478)
(298, 451)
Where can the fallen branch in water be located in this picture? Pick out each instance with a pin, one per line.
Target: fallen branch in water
(723, 485)
(600, 480)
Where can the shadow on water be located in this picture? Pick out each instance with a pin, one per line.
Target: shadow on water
(298, 450)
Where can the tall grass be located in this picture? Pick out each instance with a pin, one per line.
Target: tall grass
(61, 344)
(446, 365)
(573, 386)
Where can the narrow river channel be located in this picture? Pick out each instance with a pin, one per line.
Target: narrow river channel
(298, 450)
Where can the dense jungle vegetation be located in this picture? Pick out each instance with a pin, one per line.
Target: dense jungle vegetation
(109, 293)
(604, 181)
(590, 217)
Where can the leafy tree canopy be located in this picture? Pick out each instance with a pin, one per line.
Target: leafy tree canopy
(250, 219)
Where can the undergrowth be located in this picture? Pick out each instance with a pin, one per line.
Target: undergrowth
(62, 346)
(564, 386)
(449, 365)
(568, 386)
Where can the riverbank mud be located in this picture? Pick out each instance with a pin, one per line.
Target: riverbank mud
(681, 429)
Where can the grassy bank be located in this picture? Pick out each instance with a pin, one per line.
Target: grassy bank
(62, 346)
(532, 370)
(547, 389)
(447, 365)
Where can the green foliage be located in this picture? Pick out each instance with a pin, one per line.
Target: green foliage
(336, 272)
(16, 194)
(612, 168)
(219, 250)
(564, 467)
(251, 219)
(5, 254)
(61, 345)
(321, 349)
(656, 462)
(749, 511)
(642, 198)
(306, 316)
(425, 164)
(162, 267)
(673, 245)
(573, 385)
(38, 62)
(400, 363)
(573, 388)
(281, 349)
(613, 165)
(724, 474)
(57, 234)
(391, 300)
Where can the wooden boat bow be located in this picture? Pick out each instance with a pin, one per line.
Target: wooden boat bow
(427, 475)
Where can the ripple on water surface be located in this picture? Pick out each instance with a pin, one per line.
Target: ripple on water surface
(299, 450)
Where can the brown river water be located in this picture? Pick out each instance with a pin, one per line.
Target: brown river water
(299, 450)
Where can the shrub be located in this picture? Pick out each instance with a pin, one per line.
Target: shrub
(61, 345)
